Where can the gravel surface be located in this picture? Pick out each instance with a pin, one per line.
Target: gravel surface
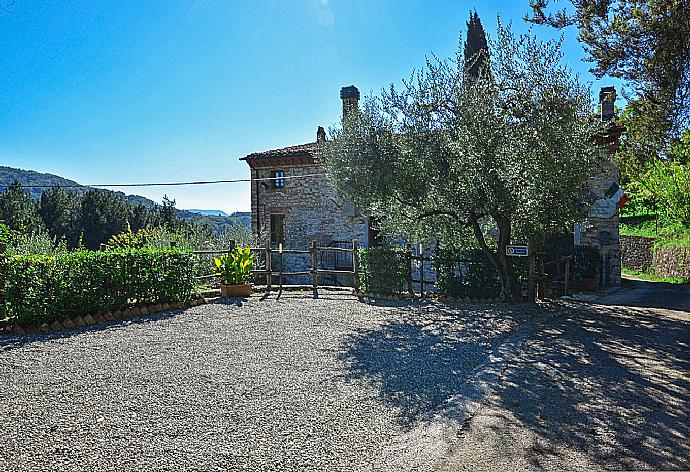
(597, 387)
(287, 384)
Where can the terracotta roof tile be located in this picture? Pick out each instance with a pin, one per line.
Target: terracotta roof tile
(308, 149)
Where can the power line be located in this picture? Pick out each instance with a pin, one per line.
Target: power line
(173, 184)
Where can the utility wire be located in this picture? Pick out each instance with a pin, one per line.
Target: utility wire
(173, 184)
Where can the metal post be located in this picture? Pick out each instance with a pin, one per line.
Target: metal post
(541, 280)
(410, 286)
(280, 275)
(269, 273)
(355, 264)
(531, 279)
(567, 275)
(314, 269)
(421, 274)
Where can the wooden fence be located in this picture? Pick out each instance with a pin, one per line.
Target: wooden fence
(314, 250)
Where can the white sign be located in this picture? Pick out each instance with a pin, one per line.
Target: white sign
(603, 208)
(521, 251)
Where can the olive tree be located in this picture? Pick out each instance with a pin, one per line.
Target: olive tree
(505, 158)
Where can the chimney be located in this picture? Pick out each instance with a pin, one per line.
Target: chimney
(320, 135)
(607, 98)
(350, 97)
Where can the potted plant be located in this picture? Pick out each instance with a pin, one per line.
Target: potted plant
(234, 270)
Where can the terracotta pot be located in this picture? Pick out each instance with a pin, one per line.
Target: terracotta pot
(230, 291)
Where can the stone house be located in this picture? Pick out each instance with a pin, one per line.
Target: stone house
(298, 205)
(295, 204)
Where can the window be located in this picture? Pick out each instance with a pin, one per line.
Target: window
(277, 229)
(279, 181)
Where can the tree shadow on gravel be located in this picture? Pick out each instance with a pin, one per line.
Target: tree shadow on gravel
(9, 342)
(422, 359)
(610, 382)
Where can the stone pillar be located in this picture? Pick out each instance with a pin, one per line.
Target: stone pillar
(600, 230)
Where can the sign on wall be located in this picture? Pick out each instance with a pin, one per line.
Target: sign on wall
(603, 208)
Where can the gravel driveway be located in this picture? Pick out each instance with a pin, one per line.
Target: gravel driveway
(287, 384)
(597, 387)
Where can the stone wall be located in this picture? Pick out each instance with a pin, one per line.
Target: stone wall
(602, 233)
(672, 262)
(636, 252)
(312, 213)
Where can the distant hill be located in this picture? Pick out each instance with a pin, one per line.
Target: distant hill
(31, 177)
(209, 212)
(218, 220)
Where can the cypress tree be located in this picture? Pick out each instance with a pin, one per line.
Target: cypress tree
(476, 47)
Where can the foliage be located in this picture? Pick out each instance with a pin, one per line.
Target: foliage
(5, 234)
(476, 51)
(586, 264)
(383, 270)
(666, 232)
(35, 243)
(669, 183)
(505, 158)
(84, 215)
(19, 211)
(644, 42)
(61, 213)
(131, 239)
(469, 274)
(235, 267)
(40, 289)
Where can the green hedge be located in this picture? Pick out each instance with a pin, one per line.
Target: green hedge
(40, 289)
(383, 270)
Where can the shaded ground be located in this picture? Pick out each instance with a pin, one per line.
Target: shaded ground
(598, 387)
(643, 293)
(288, 384)
(336, 384)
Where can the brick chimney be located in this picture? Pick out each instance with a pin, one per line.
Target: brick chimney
(607, 98)
(320, 135)
(350, 97)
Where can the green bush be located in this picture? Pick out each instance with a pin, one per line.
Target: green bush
(470, 274)
(40, 289)
(5, 233)
(383, 270)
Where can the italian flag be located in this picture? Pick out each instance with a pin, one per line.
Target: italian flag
(617, 194)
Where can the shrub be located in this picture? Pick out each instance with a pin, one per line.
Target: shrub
(131, 239)
(383, 270)
(469, 274)
(5, 233)
(24, 244)
(40, 289)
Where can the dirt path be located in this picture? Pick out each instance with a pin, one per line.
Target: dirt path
(599, 386)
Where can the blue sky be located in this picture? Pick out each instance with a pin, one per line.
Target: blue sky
(174, 90)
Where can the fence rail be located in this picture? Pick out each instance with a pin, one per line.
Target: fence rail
(314, 250)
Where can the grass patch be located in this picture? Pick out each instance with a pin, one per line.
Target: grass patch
(649, 275)
(666, 234)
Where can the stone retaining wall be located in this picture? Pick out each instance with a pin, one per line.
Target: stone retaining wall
(636, 252)
(672, 262)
